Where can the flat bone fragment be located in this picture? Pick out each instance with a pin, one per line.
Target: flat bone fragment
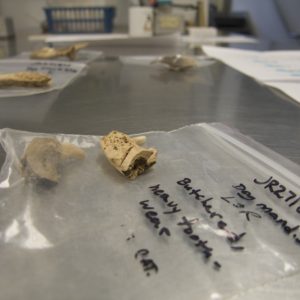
(43, 159)
(50, 53)
(24, 79)
(177, 62)
(124, 153)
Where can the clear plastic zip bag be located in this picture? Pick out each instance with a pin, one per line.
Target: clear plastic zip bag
(216, 218)
(61, 73)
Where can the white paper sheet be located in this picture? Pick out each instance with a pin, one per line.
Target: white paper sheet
(62, 73)
(280, 69)
(292, 89)
(219, 39)
(260, 65)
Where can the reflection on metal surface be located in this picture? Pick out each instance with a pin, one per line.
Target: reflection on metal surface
(191, 77)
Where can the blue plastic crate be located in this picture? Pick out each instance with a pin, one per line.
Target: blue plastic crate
(80, 19)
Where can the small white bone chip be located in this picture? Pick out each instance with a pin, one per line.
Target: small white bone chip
(24, 79)
(140, 140)
(43, 159)
(49, 53)
(125, 154)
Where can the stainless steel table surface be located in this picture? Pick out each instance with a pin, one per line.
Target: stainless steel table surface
(133, 99)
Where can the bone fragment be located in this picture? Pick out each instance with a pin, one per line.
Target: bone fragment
(24, 79)
(124, 153)
(43, 160)
(50, 53)
(177, 62)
